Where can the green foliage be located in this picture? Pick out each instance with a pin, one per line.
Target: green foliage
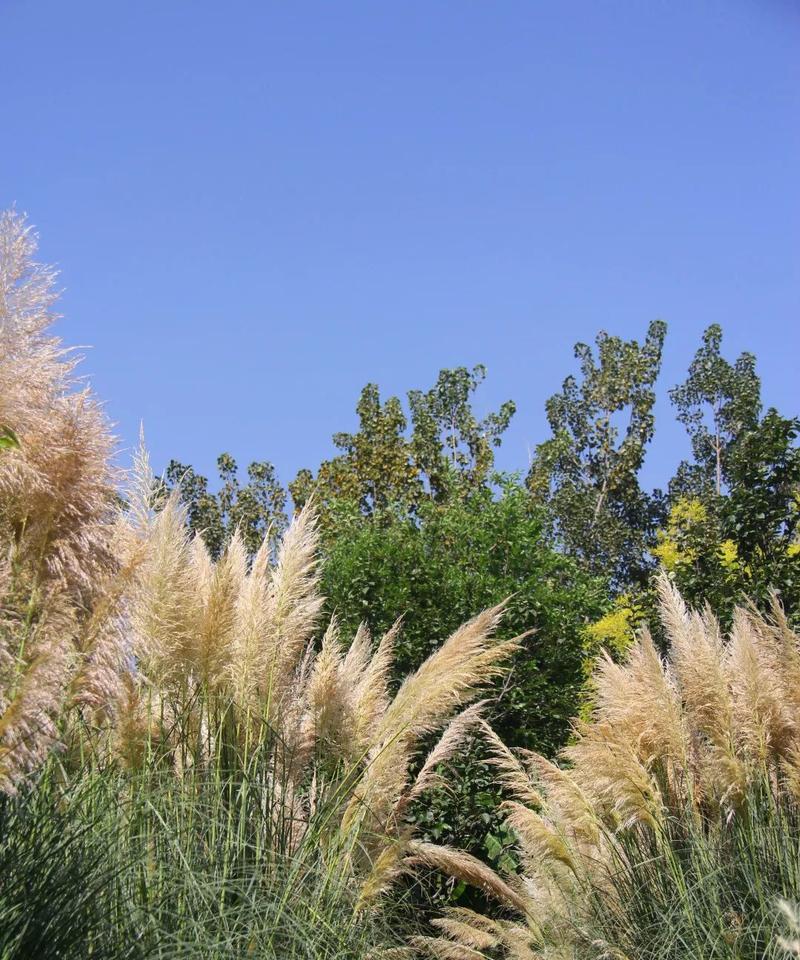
(731, 529)
(462, 556)
(254, 509)
(375, 467)
(733, 522)
(587, 472)
(762, 510)
(464, 813)
(451, 447)
(8, 439)
(616, 630)
(721, 549)
(384, 468)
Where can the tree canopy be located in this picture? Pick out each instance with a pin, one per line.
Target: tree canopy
(255, 509)
(587, 472)
(384, 466)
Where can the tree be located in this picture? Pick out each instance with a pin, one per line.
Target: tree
(763, 506)
(717, 403)
(375, 467)
(587, 472)
(385, 469)
(742, 545)
(254, 509)
(733, 521)
(450, 446)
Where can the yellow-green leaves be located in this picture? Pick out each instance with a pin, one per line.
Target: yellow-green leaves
(8, 439)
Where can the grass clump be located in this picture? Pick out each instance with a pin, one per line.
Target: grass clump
(106, 865)
(672, 827)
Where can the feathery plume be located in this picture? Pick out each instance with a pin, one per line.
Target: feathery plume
(451, 740)
(466, 661)
(441, 949)
(463, 866)
(58, 515)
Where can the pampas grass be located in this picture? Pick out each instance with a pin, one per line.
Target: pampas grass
(671, 829)
(57, 487)
(225, 662)
(118, 865)
(57, 517)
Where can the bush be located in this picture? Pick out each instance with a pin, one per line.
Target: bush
(464, 555)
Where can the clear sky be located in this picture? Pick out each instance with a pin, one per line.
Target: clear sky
(257, 207)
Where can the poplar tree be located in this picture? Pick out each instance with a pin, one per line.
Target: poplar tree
(717, 403)
(587, 472)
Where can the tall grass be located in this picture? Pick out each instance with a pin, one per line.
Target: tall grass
(672, 828)
(108, 865)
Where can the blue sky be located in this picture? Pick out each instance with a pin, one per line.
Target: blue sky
(258, 207)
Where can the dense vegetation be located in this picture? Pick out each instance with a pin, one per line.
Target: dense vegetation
(205, 753)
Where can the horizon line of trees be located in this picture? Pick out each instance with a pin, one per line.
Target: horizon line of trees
(738, 490)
